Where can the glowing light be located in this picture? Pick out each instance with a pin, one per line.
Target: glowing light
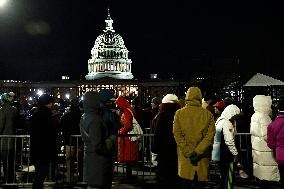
(3, 3)
(39, 92)
(67, 96)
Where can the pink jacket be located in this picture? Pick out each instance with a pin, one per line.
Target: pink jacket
(275, 137)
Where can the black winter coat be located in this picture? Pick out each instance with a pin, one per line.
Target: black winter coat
(164, 142)
(43, 136)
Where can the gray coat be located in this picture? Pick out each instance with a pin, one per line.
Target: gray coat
(98, 145)
(8, 116)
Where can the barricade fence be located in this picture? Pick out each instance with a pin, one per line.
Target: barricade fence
(16, 167)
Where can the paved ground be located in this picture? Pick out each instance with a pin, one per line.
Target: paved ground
(143, 182)
(150, 184)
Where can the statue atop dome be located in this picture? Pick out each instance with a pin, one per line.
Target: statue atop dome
(109, 55)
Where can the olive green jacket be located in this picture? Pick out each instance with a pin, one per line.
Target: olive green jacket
(194, 131)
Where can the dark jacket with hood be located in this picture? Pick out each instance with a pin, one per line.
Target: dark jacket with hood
(98, 144)
(164, 142)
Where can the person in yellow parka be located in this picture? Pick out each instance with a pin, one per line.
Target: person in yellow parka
(194, 131)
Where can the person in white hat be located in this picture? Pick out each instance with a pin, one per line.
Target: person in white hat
(164, 145)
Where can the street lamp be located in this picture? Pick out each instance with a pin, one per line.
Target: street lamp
(3, 3)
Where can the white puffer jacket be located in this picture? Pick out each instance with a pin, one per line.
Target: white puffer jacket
(223, 124)
(264, 164)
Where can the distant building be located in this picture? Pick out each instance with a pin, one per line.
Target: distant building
(109, 56)
(108, 68)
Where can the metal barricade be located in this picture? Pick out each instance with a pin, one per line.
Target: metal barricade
(243, 144)
(141, 168)
(15, 159)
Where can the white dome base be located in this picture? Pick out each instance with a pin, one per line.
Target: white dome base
(114, 74)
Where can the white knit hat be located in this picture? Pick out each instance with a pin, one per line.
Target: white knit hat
(170, 98)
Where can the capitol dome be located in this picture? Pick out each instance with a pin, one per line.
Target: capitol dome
(109, 56)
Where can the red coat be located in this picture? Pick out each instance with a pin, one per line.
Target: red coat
(127, 150)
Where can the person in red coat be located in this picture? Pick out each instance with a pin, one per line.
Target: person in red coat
(127, 149)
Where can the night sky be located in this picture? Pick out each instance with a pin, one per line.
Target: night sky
(45, 39)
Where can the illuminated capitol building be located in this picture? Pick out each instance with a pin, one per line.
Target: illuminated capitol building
(108, 67)
(109, 56)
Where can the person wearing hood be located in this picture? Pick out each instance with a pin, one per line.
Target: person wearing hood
(108, 111)
(164, 144)
(264, 165)
(8, 120)
(43, 140)
(109, 114)
(193, 129)
(127, 149)
(224, 148)
(99, 144)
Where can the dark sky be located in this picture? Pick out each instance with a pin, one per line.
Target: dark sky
(45, 39)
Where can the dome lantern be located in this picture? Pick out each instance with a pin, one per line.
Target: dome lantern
(109, 22)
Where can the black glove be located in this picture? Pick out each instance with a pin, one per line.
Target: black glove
(193, 158)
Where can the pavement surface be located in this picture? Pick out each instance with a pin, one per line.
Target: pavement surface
(143, 180)
(139, 184)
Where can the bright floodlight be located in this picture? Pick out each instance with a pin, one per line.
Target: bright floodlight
(39, 92)
(3, 3)
(67, 96)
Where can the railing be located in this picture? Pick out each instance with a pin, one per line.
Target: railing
(15, 160)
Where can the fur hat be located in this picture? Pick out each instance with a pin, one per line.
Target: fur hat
(45, 99)
(170, 98)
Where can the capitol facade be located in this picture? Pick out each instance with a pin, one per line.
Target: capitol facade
(109, 56)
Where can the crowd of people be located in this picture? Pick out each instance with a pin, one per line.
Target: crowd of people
(187, 133)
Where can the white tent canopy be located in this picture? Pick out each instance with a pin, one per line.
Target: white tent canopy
(259, 80)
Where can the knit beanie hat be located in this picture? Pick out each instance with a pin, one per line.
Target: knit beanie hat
(106, 95)
(170, 98)
(45, 99)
